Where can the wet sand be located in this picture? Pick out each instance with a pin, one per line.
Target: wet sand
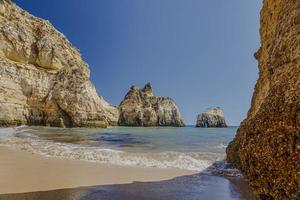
(23, 172)
(192, 187)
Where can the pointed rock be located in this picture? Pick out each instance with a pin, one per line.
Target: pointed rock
(148, 89)
(141, 108)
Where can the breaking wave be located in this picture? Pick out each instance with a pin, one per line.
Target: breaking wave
(170, 159)
(21, 138)
(221, 146)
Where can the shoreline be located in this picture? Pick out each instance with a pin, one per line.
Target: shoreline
(28, 176)
(22, 172)
(200, 187)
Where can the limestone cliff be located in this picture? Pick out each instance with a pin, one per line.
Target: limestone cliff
(211, 117)
(142, 108)
(43, 79)
(267, 145)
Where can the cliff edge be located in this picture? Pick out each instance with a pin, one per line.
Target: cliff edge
(267, 146)
(43, 80)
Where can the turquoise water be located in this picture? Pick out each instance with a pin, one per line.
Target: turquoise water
(186, 148)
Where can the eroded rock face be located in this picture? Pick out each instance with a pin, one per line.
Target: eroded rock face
(211, 117)
(267, 145)
(43, 79)
(142, 108)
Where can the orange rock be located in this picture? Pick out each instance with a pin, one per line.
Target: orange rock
(266, 147)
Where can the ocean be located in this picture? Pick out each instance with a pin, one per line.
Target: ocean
(187, 148)
(201, 150)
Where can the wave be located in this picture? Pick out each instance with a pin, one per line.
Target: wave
(8, 132)
(223, 168)
(187, 161)
(21, 138)
(221, 146)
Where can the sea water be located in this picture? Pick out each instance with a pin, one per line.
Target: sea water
(187, 148)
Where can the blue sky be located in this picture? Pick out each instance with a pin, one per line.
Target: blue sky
(198, 52)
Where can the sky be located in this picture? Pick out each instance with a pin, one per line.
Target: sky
(198, 52)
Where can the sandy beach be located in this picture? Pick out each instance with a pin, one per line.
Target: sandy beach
(24, 172)
(28, 176)
(34, 168)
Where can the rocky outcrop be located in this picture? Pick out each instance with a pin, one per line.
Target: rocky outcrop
(211, 117)
(142, 108)
(43, 79)
(267, 145)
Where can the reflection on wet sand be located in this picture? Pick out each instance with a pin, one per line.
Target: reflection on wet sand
(199, 186)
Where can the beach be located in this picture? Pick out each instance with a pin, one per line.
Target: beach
(27, 176)
(149, 100)
(24, 172)
(117, 163)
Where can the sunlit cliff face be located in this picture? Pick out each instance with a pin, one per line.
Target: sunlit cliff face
(44, 81)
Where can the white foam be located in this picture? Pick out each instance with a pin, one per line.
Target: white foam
(223, 168)
(11, 131)
(221, 146)
(195, 161)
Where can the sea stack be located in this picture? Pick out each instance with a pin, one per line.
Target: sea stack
(267, 145)
(43, 80)
(141, 108)
(211, 117)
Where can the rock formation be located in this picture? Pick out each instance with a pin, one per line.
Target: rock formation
(142, 108)
(43, 79)
(267, 145)
(211, 117)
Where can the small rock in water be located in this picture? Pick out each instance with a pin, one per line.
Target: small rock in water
(211, 117)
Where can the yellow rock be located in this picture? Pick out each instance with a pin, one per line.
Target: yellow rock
(44, 80)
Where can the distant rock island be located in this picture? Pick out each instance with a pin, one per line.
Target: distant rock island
(211, 117)
(141, 108)
(43, 80)
(267, 145)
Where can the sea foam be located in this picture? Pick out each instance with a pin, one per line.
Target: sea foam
(22, 138)
(8, 132)
(169, 159)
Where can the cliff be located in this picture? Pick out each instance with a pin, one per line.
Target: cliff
(211, 117)
(43, 79)
(142, 108)
(267, 145)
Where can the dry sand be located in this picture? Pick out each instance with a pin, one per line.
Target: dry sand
(23, 172)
